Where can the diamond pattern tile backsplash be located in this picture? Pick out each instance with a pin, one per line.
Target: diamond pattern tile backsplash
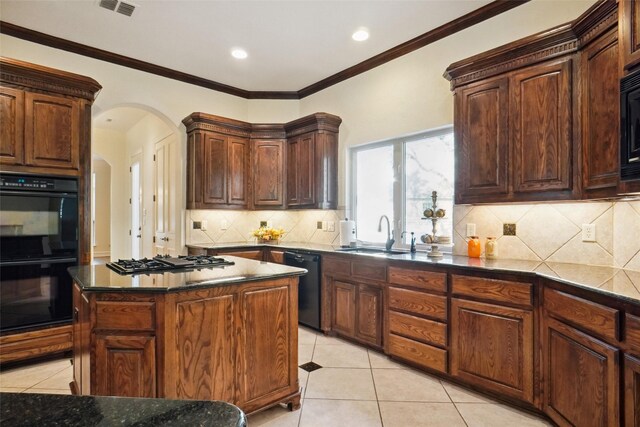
(552, 232)
(544, 232)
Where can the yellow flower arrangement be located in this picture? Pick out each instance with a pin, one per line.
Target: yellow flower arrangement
(268, 234)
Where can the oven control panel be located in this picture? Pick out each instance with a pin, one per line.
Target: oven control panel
(41, 183)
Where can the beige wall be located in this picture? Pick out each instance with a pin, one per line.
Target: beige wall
(102, 213)
(111, 146)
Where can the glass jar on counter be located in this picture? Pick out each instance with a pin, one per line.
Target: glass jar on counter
(474, 248)
(491, 248)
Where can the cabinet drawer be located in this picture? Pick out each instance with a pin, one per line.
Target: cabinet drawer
(336, 267)
(125, 315)
(633, 333)
(256, 254)
(584, 314)
(417, 328)
(367, 270)
(418, 303)
(492, 289)
(418, 353)
(428, 280)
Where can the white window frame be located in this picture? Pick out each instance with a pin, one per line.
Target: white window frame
(399, 188)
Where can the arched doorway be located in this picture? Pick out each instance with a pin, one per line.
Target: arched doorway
(144, 150)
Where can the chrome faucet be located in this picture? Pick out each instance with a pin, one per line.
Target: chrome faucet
(390, 237)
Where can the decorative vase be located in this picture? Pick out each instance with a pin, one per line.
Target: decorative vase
(268, 241)
(474, 249)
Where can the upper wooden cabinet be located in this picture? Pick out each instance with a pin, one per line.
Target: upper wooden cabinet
(312, 161)
(45, 129)
(238, 165)
(217, 162)
(537, 119)
(629, 33)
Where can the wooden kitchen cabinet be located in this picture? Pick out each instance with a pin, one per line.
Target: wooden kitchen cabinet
(12, 119)
(268, 173)
(631, 391)
(482, 141)
(492, 346)
(357, 311)
(540, 128)
(218, 172)
(599, 68)
(629, 33)
(581, 377)
(557, 137)
(312, 161)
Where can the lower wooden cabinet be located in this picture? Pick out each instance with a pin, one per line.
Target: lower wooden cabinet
(492, 346)
(36, 343)
(125, 365)
(357, 311)
(581, 377)
(631, 391)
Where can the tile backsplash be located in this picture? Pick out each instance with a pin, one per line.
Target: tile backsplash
(544, 232)
(553, 231)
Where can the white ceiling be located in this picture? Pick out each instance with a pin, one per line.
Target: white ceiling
(291, 43)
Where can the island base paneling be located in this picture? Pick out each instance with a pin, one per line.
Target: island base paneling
(237, 343)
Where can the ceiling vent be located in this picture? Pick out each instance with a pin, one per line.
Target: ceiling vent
(122, 7)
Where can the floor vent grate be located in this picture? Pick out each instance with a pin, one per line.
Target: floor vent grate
(310, 366)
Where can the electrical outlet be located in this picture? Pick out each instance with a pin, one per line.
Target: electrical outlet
(319, 225)
(509, 229)
(588, 232)
(331, 226)
(471, 229)
(197, 225)
(224, 224)
(203, 226)
(325, 227)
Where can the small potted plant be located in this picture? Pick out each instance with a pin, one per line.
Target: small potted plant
(268, 234)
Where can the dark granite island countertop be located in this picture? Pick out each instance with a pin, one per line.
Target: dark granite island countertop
(102, 278)
(26, 409)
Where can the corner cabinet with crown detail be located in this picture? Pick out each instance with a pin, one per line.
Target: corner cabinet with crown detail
(538, 119)
(238, 165)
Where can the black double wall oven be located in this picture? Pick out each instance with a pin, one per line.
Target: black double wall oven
(38, 242)
(630, 127)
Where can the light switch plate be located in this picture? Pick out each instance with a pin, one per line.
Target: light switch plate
(203, 227)
(331, 226)
(224, 224)
(588, 232)
(471, 229)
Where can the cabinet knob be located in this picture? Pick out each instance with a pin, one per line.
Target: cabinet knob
(76, 313)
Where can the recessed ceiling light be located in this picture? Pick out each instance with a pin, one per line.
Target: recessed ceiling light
(360, 35)
(239, 53)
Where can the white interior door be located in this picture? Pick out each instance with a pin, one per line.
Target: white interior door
(166, 182)
(136, 206)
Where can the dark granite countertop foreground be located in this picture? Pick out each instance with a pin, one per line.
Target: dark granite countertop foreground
(102, 278)
(27, 409)
(610, 281)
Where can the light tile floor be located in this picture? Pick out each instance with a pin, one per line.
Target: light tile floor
(355, 387)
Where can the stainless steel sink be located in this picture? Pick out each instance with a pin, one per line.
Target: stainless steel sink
(367, 250)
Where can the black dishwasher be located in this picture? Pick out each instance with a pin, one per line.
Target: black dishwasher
(309, 287)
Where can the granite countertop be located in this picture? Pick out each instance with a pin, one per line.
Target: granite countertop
(610, 281)
(102, 278)
(27, 409)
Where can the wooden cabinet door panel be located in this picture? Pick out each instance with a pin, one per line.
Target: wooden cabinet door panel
(293, 147)
(125, 366)
(268, 173)
(306, 172)
(369, 309)
(631, 391)
(492, 346)
(206, 367)
(541, 127)
(482, 140)
(214, 174)
(344, 308)
(238, 175)
(629, 32)
(581, 377)
(266, 362)
(52, 131)
(11, 131)
(600, 115)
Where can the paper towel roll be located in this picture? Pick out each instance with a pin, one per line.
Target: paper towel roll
(347, 232)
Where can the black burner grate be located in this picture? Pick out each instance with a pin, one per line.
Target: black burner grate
(310, 366)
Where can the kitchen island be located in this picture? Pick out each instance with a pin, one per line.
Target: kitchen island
(227, 333)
